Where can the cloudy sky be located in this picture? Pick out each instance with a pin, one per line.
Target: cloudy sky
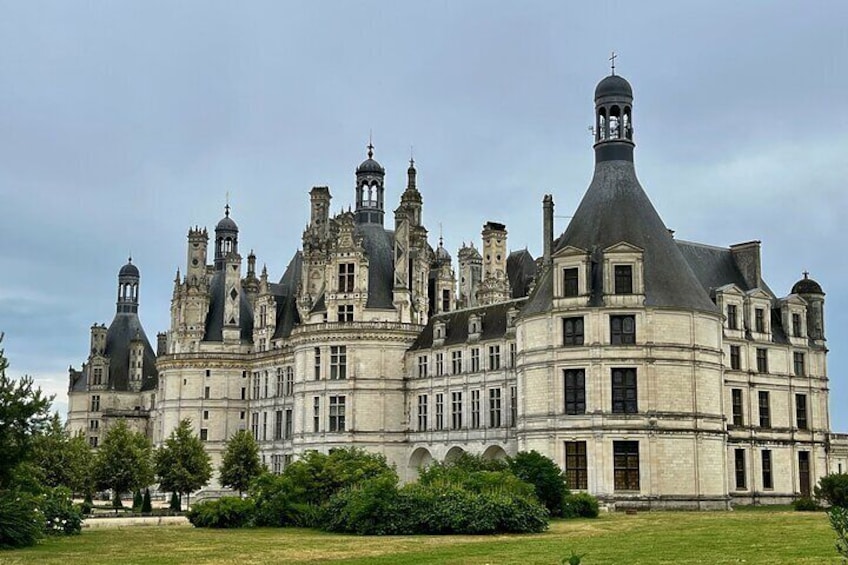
(123, 124)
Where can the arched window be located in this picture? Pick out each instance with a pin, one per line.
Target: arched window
(615, 122)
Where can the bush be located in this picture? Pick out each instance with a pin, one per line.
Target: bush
(227, 512)
(546, 477)
(175, 502)
(280, 501)
(60, 515)
(838, 516)
(833, 489)
(86, 505)
(580, 505)
(137, 501)
(805, 504)
(20, 520)
(146, 506)
(369, 508)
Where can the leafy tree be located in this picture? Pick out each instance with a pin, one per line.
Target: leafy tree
(240, 464)
(545, 476)
(24, 412)
(182, 464)
(833, 489)
(62, 459)
(124, 460)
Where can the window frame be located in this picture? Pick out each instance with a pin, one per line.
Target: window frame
(575, 393)
(573, 331)
(625, 392)
(626, 466)
(618, 330)
(576, 465)
(622, 279)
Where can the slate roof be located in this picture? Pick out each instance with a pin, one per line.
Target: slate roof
(215, 317)
(713, 266)
(520, 270)
(286, 296)
(494, 318)
(121, 331)
(379, 245)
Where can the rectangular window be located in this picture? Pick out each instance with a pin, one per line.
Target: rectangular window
(739, 468)
(346, 278)
(796, 325)
(762, 360)
(92, 441)
(494, 407)
(798, 363)
(475, 359)
(765, 412)
(204, 434)
(576, 467)
(241, 415)
(316, 414)
(98, 376)
(623, 279)
(494, 357)
(337, 413)
(804, 473)
(575, 391)
(279, 390)
(278, 424)
(317, 364)
(345, 313)
(735, 358)
(759, 320)
(289, 390)
(572, 331)
(512, 355)
(475, 409)
(736, 400)
(93, 424)
(446, 302)
(422, 366)
(801, 412)
(254, 425)
(456, 362)
(570, 282)
(456, 410)
(624, 394)
(625, 465)
(264, 426)
(732, 318)
(440, 411)
(244, 393)
(206, 392)
(289, 424)
(266, 384)
(422, 412)
(256, 386)
(513, 406)
(622, 330)
(440, 364)
(95, 403)
(338, 362)
(206, 414)
(768, 483)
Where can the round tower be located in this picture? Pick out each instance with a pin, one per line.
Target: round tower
(812, 293)
(226, 238)
(370, 176)
(613, 119)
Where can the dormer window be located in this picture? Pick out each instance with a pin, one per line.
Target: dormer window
(732, 317)
(570, 284)
(796, 325)
(346, 277)
(623, 279)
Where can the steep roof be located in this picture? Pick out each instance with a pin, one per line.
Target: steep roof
(215, 317)
(520, 270)
(494, 322)
(286, 296)
(124, 327)
(379, 245)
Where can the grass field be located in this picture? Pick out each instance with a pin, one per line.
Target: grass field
(767, 537)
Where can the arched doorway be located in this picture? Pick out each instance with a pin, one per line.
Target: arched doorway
(453, 454)
(419, 459)
(494, 453)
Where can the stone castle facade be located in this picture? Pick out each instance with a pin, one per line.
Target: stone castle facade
(656, 372)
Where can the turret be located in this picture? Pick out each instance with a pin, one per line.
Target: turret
(320, 209)
(812, 293)
(98, 339)
(198, 242)
(370, 177)
(494, 286)
(226, 239)
(128, 279)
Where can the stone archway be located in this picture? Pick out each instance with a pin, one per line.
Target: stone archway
(494, 453)
(453, 454)
(419, 459)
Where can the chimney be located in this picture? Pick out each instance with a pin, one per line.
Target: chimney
(547, 228)
(161, 344)
(747, 258)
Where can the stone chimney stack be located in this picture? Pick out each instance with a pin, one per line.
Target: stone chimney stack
(547, 228)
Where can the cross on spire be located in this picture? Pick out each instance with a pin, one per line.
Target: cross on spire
(370, 145)
(227, 205)
(806, 274)
(612, 59)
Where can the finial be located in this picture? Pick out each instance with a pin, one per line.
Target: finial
(370, 145)
(806, 274)
(411, 157)
(440, 234)
(612, 62)
(129, 259)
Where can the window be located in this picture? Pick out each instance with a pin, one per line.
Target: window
(255, 386)
(206, 414)
(456, 410)
(95, 403)
(801, 411)
(804, 473)
(338, 362)
(279, 390)
(93, 424)
(263, 316)
(475, 409)
(440, 411)
(576, 467)
(98, 376)
(623, 279)
(767, 479)
(625, 465)
(798, 363)
(796, 325)
(622, 330)
(575, 391)
(92, 441)
(445, 300)
(266, 385)
(759, 320)
(289, 424)
(512, 355)
(206, 392)
(570, 280)
(422, 366)
(513, 406)
(241, 415)
(739, 468)
(736, 401)
(494, 407)
(278, 424)
(735, 360)
(494, 357)
(204, 434)
(337, 413)
(264, 426)
(624, 397)
(475, 359)
(765, 413)
(422, 412)
(244, 393)
(345, 313)
(440, 364)
(316, 413)
(277, 464)
(572, 331)
(762, 360)
(317, 363)
(732, 318)
(289, 390)
(254, 425)
(456, 362)
(346, 278)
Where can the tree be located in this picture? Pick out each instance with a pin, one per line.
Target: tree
(545, 476)
(62, 459)
(833, 489)
(182, 464)
(146, 506)
(24, 413)
(240, 464)
(124, 460)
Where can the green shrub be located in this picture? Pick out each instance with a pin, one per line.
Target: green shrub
(580, 505)
(60, 515)
(20, 520)
(86, 505)
(146, 506)
(227, 512)
(280, 501)
(833, 489)
(838, 516)
(175, 502)
(368, 508)
(546, 477)
(805, 504)
(137, 501)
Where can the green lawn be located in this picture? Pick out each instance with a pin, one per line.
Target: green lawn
(767, 537)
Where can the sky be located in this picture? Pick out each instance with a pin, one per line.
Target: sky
(124, 124)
